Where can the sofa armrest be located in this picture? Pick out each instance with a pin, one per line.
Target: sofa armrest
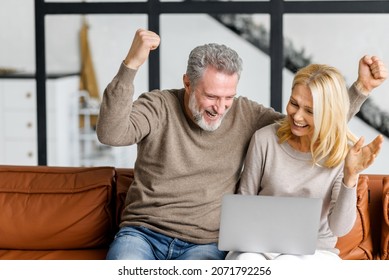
(124, 178)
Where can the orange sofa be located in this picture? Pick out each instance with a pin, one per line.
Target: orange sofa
(369, 238)
(73, 213)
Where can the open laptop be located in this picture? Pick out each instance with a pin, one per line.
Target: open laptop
(269, 224)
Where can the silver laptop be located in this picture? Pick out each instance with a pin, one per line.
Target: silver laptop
(269, 224)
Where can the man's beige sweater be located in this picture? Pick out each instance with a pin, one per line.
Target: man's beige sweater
(181, 171)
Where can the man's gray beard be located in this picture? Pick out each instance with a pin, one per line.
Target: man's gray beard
(199, 118)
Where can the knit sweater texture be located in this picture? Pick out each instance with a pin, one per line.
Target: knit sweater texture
(181, 171)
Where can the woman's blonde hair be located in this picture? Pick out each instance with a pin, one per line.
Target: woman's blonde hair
(331, 136)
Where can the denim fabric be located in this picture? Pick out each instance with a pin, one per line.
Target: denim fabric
(140, 243)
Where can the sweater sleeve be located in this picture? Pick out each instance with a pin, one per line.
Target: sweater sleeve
(250, 182)
(356, 100)
(342, 213)
(121, 120)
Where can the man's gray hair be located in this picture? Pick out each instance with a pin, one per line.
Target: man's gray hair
(221, 57)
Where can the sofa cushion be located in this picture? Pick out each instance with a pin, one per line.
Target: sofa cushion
(357, 244)
(385, 220)
(51, 208)
(84, 254)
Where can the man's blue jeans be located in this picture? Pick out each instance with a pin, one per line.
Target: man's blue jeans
(140, 243)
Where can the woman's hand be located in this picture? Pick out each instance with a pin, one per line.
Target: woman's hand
(372, 72)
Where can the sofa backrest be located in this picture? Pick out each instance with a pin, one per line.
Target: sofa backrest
(52, 208)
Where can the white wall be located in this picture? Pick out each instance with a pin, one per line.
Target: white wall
(339, 40)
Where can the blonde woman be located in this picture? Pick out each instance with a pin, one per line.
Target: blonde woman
(311, 153)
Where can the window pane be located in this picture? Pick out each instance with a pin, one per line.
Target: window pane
(109, 38)
(181, 33)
